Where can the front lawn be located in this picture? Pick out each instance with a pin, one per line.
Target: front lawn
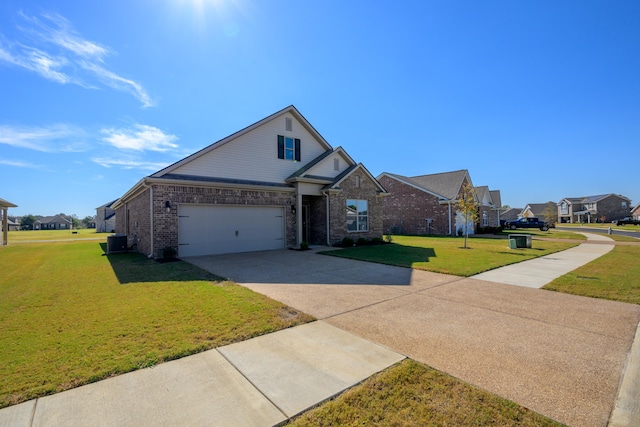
(446, 255)
(70, 315)
(38, 235)
(612, 276)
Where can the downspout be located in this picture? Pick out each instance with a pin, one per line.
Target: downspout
(145, 185)
(326, 196)
(449, 217)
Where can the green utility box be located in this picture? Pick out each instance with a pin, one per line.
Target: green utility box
(519, 241)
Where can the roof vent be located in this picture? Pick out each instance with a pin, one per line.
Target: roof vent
(288, 125)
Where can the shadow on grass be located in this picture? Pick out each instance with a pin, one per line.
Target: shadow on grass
(133, 267)
(398, 255)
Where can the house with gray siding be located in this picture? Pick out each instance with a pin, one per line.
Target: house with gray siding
(105, 219)
(272, 185)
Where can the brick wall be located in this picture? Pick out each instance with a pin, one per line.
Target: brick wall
(368, 190)
(611, 208)
(406, 209)
(166, 224)
(134, 220)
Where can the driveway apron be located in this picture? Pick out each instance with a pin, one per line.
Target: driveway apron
(557, 354)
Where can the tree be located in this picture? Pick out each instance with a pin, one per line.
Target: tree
(87, 220)
(468, 208)
(550, 213)
(26, 223)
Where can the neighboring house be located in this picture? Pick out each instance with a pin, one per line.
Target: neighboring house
(4, 207)
(92, 223)
(423, 204)
(489, 206)
(272, 185)
(12, 225)
(509, 214)
(635, 213)
(56, 222)
(601, 208)
(540, 211)
(105, 219)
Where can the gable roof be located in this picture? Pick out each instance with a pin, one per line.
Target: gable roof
(496, 197)
(348, 172)
(537, 209)
(592, 199)
(53, 219)
(290, 109)
(408, 181)
(447, 184)
(107, 205)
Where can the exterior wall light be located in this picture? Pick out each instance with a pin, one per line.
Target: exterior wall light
(167, 206)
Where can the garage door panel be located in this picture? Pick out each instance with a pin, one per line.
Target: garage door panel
(205, 230)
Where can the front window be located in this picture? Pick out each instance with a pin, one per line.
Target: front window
(485, 219)
(564, 209)
(357, 215)
(288, 148)
(624, 205)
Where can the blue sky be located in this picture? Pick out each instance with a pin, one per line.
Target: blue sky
(540, 100)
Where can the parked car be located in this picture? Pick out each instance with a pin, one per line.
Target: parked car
(527, 223)
(626, 221)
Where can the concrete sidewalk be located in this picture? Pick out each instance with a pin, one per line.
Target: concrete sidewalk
(561, 355)
(537, 272)
(259, 382)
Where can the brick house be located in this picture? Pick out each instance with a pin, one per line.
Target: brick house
(510, 214)
(600, 208)
(635, 213)
(272, 185)
(490, 204)
(423, 204)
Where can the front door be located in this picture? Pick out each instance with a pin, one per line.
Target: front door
(305, 223)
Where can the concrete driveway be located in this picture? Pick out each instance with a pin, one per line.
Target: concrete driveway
(560, 355)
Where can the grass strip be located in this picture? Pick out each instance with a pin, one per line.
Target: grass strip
(70, 315)
(412, 394)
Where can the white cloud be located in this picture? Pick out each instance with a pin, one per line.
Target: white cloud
(18, 164)
(56, 52)
(56, 138)
(129, 163)
(140, 138)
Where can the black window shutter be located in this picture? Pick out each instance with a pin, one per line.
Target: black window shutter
(280, 147)
(297, 152)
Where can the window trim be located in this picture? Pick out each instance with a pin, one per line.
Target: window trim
(358, 216)
(295, 151)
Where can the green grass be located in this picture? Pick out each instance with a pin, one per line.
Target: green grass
(70, 315)
(446, 255)
(613, 276)
(35, 235)
(412, 394)
(552, 233)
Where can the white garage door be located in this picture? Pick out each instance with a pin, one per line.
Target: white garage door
(208, 230)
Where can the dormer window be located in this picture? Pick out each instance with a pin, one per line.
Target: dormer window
(288, 148)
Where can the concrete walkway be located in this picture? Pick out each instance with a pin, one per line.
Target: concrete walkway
(560, 355)
(537, 272)
(259, 382)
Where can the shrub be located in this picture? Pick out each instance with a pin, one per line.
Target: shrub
(169, 252)
(388, 238)
(362, 242)
(377, 241)
(347, 242)
(304, 246)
